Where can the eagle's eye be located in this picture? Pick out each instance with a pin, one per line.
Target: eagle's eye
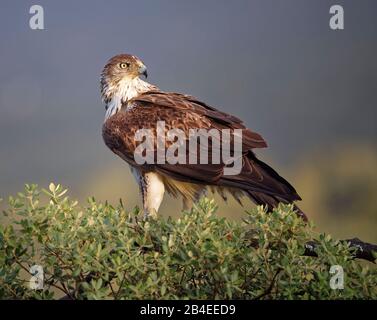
(124, 65)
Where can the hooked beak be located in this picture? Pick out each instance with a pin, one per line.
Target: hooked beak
(143, 71)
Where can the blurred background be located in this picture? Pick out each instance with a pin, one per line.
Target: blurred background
(309, 90)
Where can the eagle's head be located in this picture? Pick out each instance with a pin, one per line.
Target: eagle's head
(121, 73)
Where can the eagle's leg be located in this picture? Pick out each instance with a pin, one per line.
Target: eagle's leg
(152, 191)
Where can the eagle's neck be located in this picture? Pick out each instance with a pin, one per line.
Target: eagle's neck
(117, 95)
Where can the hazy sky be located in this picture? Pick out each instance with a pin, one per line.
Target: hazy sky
(276, 64)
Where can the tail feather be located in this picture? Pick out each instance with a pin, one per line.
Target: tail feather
(272, 202)
(263, 185)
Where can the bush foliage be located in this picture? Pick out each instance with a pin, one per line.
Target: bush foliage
(105, 252)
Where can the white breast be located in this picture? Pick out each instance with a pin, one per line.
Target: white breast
(125, 91)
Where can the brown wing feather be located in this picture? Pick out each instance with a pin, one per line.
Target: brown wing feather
(186, 103)
(260, 182)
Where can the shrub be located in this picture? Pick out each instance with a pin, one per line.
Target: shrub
(104, 252)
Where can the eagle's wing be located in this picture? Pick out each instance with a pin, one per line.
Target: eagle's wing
(184, 112)
(187, 103)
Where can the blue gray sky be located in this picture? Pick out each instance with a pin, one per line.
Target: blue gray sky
(276, 64)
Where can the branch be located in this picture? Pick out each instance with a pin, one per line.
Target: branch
(359, 249)
(270, 287)
(362, 250)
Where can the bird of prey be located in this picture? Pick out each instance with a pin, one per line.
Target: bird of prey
(133, 104)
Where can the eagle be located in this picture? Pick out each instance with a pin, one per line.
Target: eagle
(133, 104)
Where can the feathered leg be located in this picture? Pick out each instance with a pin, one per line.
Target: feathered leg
(152, 191)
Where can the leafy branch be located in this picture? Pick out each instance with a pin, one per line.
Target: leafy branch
(100, 251)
